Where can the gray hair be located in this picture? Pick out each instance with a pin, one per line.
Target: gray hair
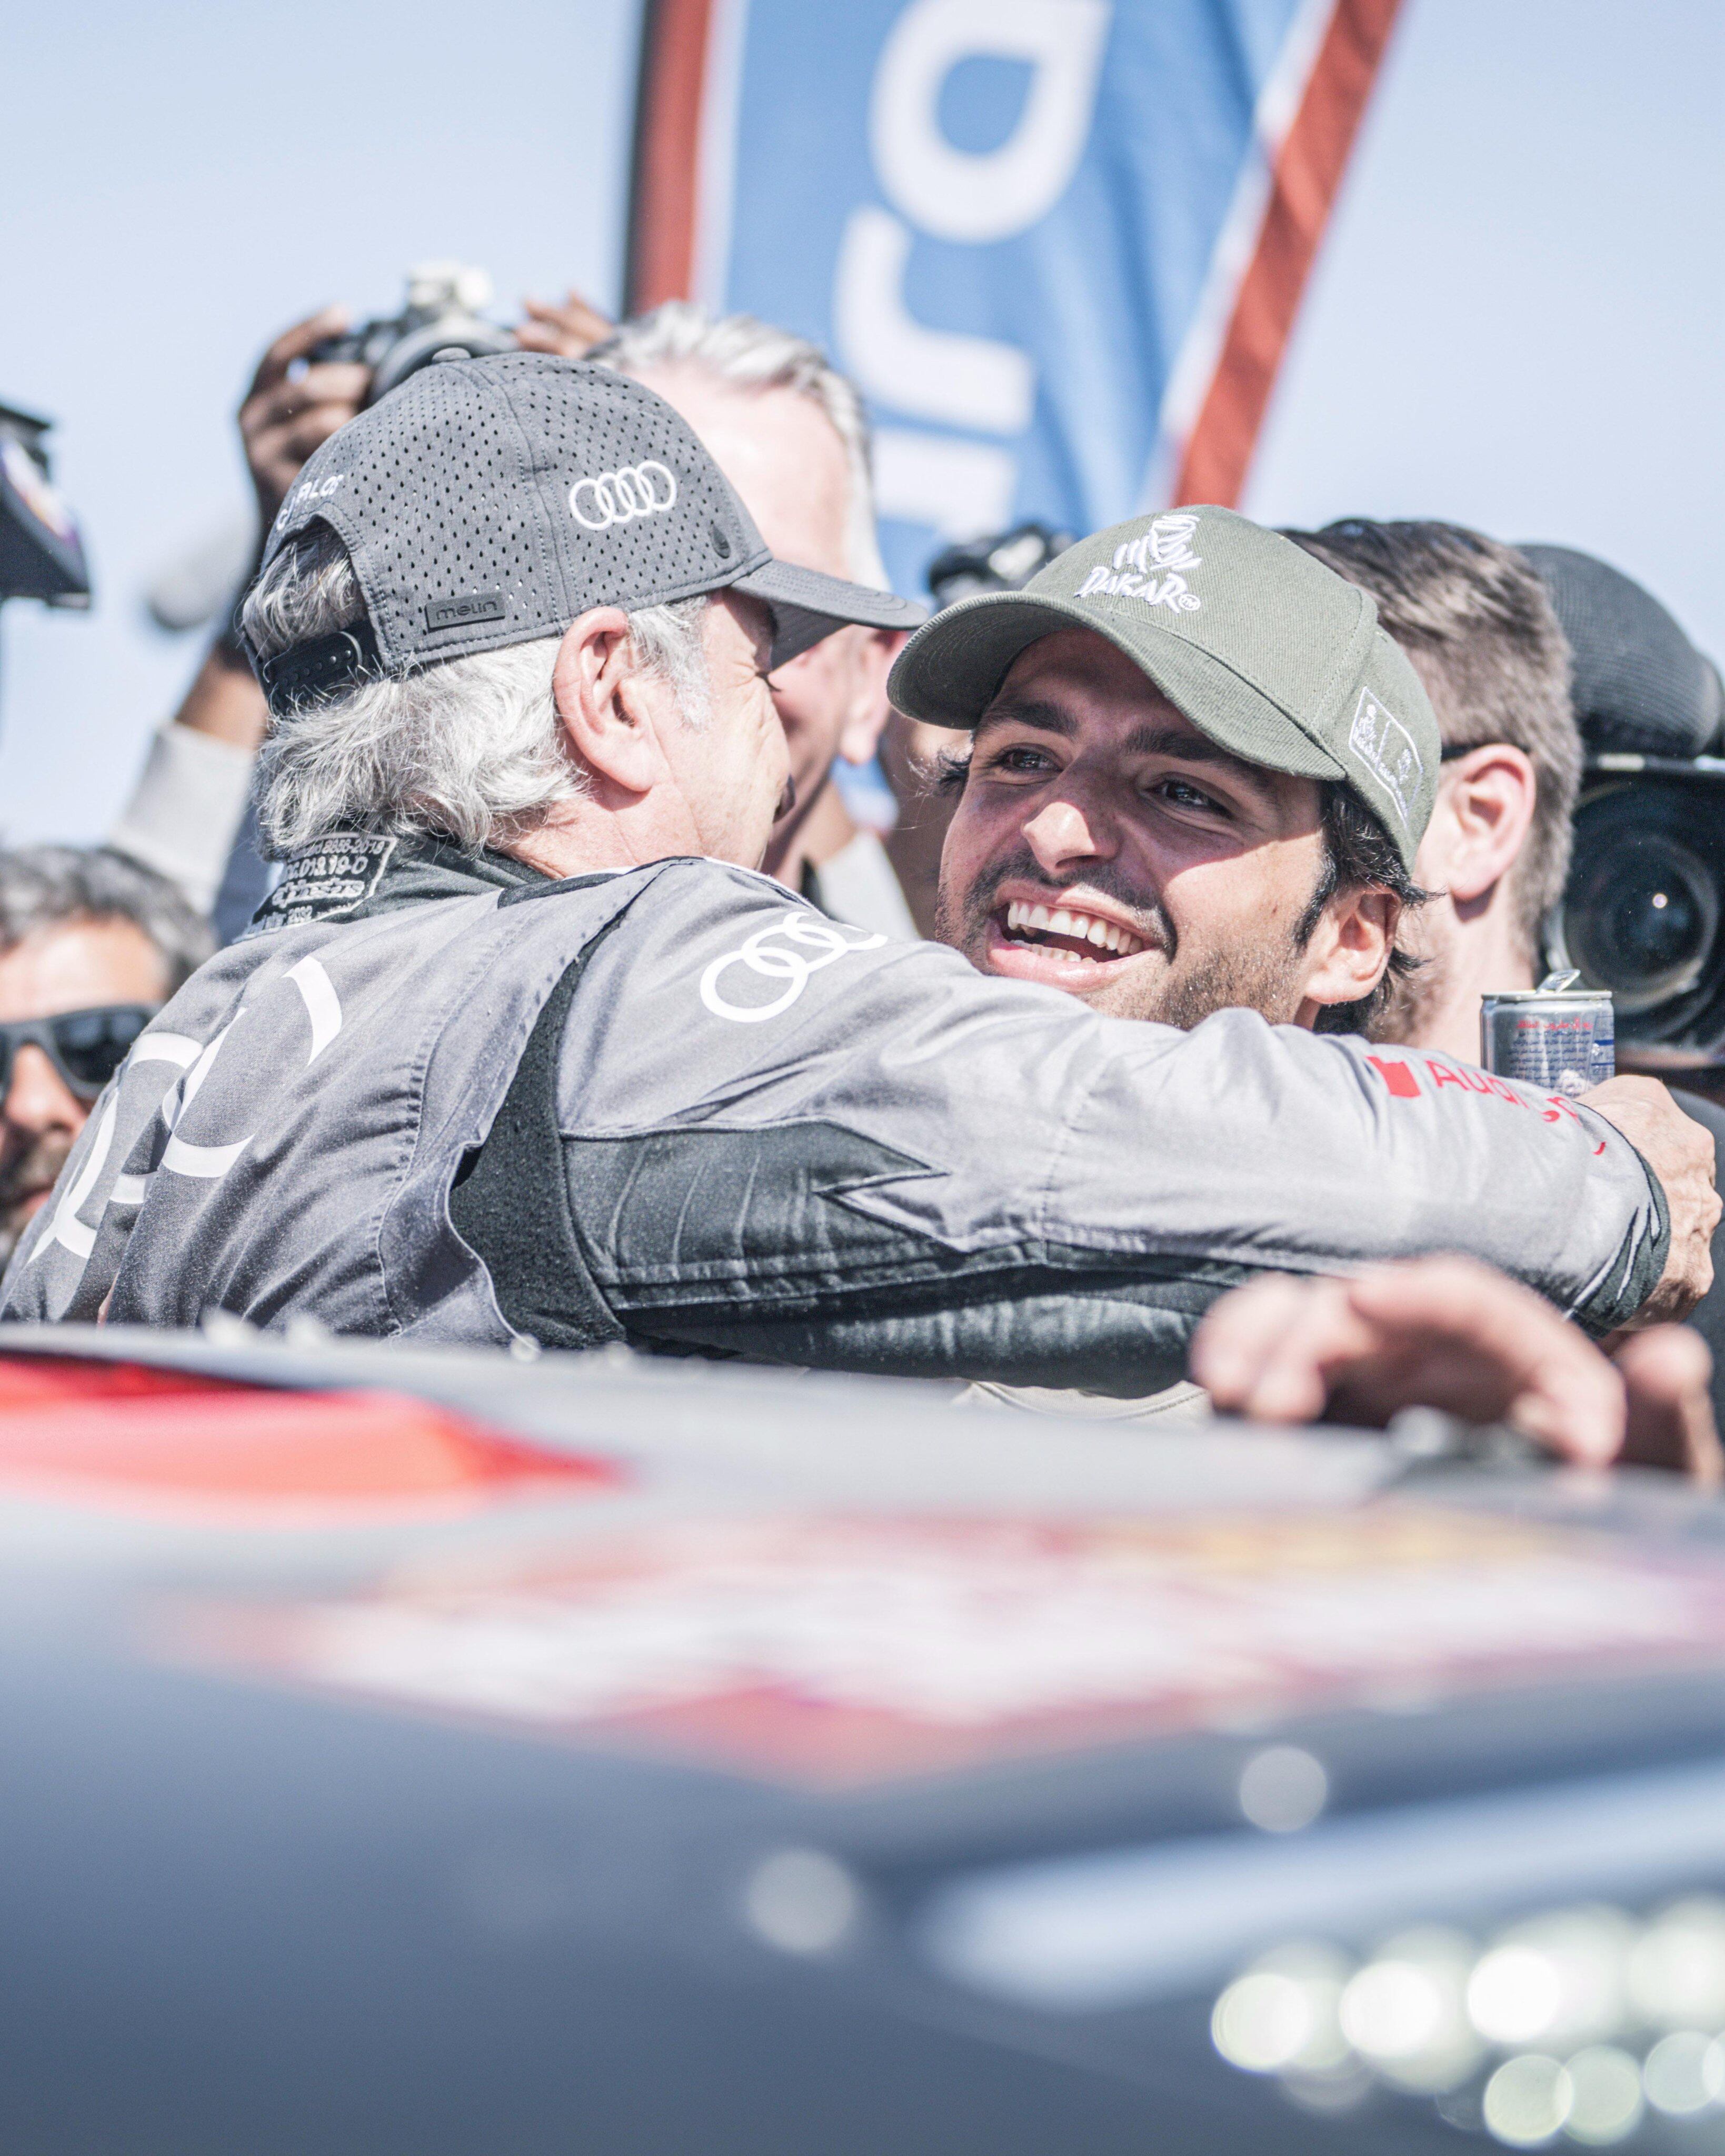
(471, 749)
(754, 356)
(55, 887)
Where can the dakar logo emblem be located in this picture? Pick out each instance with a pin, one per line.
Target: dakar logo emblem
(1148, 568)
(763, 956)
(1388, 751)
(614, 497)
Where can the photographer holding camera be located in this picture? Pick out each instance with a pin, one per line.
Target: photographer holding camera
(188, 818)
(787, 428)
(191, 803)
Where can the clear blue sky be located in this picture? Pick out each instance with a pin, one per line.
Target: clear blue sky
(1516, 321)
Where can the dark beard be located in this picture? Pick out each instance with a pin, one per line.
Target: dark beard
(1259, 980)
(20, 1178)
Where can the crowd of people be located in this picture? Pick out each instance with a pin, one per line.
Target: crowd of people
(487, 951)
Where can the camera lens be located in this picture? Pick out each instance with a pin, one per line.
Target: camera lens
(1646, 921)
(1641, 915)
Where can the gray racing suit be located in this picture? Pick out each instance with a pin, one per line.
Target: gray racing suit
(677, 1107)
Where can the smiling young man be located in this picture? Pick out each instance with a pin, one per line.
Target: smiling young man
(1103, 843)
(1143, 821)
(1199, 775)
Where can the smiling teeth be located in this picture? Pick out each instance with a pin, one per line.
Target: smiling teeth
(1084, 927)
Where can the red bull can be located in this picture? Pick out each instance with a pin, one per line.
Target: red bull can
(1558, 1037)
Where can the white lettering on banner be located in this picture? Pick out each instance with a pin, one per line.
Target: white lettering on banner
(760, 955)
(938, 374)
(943, 376)
(958, 487)
(982, 196)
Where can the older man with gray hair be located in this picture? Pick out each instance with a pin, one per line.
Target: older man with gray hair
(790, 433)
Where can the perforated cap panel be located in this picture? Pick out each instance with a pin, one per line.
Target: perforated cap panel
(487, 501)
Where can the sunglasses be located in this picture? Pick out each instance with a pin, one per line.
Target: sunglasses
(86, 1047)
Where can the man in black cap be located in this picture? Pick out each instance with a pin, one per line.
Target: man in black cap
(523, 1045)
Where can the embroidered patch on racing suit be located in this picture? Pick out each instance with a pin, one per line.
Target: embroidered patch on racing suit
(325, 880)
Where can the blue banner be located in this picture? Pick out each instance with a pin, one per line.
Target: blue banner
(1023, 227)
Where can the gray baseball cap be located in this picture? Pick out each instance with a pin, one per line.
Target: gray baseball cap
(488, 501)
(1271, 654)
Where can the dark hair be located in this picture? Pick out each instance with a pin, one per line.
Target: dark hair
(47, 886)
(1358, 855)
(1478, 627)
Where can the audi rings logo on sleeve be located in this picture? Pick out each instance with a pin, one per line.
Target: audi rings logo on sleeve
(776, 952)
(617, 497)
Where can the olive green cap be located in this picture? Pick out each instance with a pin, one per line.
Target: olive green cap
(1274, 656)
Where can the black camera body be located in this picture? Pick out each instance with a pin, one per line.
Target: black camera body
(1644, 911)
(1645, 907)
(41, 552)
(440, 320)
(1003, 562)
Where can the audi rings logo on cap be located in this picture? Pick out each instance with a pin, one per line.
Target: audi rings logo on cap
(616, 497)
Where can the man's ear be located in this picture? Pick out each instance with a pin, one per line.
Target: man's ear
(602, 700)
(867, 710)
(1485, 803)
(1350, 947)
